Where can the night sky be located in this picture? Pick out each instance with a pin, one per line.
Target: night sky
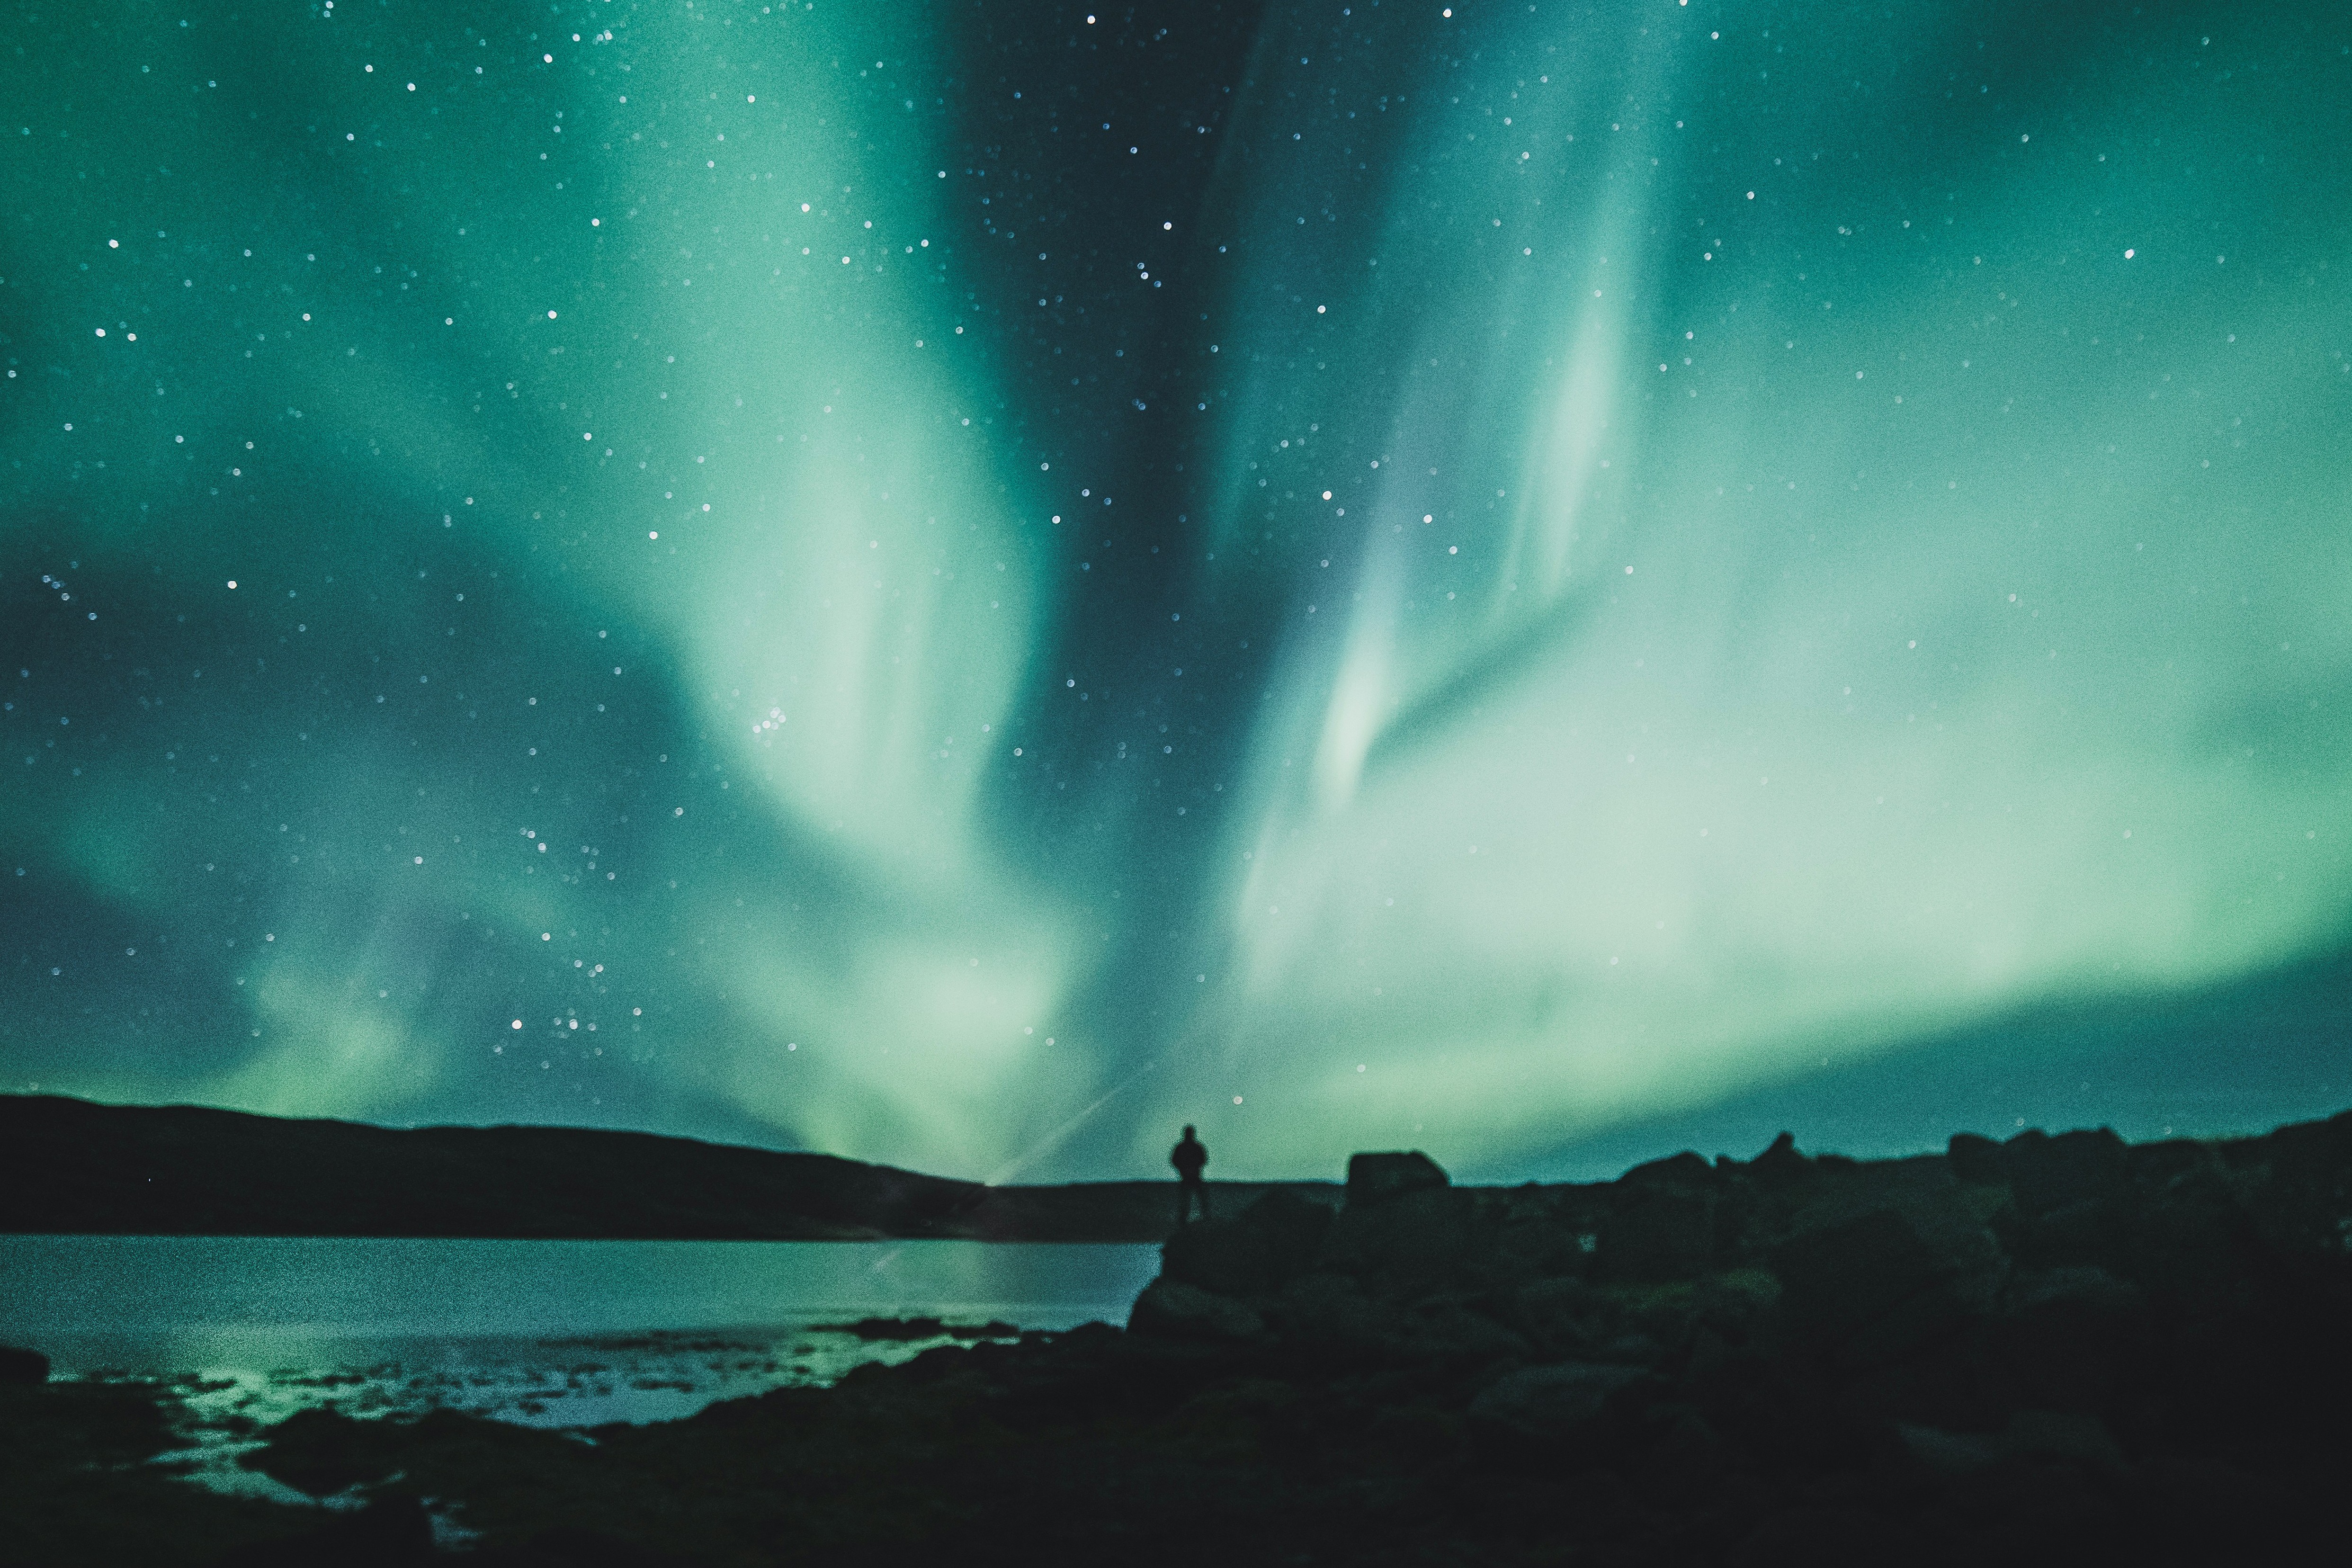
(963, 584)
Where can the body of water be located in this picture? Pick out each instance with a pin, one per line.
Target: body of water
(561, 1333)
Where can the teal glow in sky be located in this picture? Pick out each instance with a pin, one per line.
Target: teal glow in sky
(965, 584)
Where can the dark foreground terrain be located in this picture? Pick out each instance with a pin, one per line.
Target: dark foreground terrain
(71, 1168)
(2056, 1350)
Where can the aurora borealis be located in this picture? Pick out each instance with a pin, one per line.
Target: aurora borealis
(963, 584)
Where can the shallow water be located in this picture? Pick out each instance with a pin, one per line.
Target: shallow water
(555, 1333)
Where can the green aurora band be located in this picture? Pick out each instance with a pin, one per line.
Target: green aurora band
(1702, 544)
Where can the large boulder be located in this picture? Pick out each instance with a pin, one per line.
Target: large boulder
(1325, 1316)
(1565, 1318)
(2298, 1183)
(1662, 1222)
(2046, 1174)
(1374, 1178)
(1450, 1333)
(1976, 1159)
(1683, 1172)
(1170, 1309)
(1253, 1254)
(1780, 1165)
(22, 1365)
(1837, 1278)
(1407, 1243)
(1658, 1233)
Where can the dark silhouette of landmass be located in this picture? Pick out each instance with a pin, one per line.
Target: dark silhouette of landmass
(68, 1167)
(2052, 1351)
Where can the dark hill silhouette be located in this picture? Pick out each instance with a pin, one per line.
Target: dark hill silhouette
(71, 1167)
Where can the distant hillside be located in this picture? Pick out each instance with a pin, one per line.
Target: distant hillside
(70, 1167)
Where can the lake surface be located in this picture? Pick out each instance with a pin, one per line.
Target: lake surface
(557, 1333)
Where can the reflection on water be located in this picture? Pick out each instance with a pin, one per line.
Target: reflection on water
(248, 1330)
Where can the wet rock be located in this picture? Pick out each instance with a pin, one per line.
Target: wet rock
(1170, 1309)
(1372, 1178)
(323, 1451)
(871, 1329)
(22, 1366)
(994, 1328)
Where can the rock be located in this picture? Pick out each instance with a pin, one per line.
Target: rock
(994, 1328)
(2209, 1510)
(2065, 1335)
(1561, 1316)
(1327, 1317)
(1562, 1403)
(1449, 1332)
(1407, 1243)
(1170, 1309)
(1687, 1457)
(887, 1328)
(2038, 1435)
(1683, 1170)
(1658, 1233)
(567, 1546)
(1635, 1350)
(2185, 1238)
(1839, 1278)
(2083, 1290)
(323, 1451)
(2062, 1435)
(1947, 1454)
(1976, 1160)
(1373, 1178)
(1254, 1254)
(2298, 1187)
(1780, 1165)
(1825, 1537)
(2046, 1174)
(22, 1365)
(388, 1531)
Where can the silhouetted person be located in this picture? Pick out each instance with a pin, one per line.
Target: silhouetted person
(1189, 1157)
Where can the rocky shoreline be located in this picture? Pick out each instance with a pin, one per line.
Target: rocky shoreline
(2056, 1349)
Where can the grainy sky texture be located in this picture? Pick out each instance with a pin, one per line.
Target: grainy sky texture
(963, 584)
